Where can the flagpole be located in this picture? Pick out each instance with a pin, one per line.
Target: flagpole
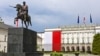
(84, 38)
(78, 39)
(84, 21)
(78, 34)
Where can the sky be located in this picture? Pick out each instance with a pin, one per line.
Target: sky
(52, 13)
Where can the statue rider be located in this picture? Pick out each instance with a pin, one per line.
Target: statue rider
(25, 10)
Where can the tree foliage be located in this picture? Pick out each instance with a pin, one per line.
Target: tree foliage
(96, 44)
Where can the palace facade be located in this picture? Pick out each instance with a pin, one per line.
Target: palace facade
(69, 38)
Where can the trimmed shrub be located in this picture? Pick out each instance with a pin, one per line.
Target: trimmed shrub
(56, 54)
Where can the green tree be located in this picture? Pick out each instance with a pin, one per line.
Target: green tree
(96, 44)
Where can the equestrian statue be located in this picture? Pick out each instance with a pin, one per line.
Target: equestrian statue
(22, 14)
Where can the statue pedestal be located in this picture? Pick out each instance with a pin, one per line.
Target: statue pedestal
(21, 42)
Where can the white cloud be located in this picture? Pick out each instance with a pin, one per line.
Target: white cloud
(62, 11)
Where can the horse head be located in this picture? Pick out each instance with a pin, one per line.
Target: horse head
(18, 7)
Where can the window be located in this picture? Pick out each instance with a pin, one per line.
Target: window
(88, 39)
(73, 49)
(68, 49)
(88, 49)
(77, 48)
(78, 40)
(83, 48)
(68, 40)
(63, 48)
(72, 40)
(4, 48)
(5, 38)
(83, 40)
(62, 40)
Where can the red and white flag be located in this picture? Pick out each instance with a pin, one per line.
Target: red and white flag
(52, 38)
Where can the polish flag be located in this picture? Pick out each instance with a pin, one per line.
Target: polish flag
(52, 40)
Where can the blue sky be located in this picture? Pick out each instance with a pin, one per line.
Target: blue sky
(53, 13)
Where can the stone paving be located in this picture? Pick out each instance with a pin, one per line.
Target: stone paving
(74, 55)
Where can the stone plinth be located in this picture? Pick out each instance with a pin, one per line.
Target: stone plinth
(22, 41)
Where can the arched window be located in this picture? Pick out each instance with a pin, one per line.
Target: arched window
(63, 48)
(88, 49)
(83, 49)
(77, 48)
(68, 49)
(73, 49)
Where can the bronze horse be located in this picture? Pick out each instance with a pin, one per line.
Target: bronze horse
(26, 20)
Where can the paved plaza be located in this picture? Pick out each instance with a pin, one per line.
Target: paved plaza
(74, 55)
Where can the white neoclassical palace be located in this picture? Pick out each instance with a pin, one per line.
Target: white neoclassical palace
(78, 38)
(73, 38)
(3, 36)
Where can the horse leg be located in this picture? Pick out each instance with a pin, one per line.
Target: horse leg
(25, 24)
(29, 21)
(15, 20)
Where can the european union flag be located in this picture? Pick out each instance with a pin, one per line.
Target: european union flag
(78, 21)
(90, 19)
